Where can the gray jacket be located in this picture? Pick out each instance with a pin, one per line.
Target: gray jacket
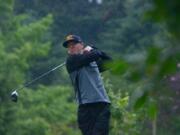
(84, 71)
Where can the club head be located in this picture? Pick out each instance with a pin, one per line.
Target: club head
(14, 96)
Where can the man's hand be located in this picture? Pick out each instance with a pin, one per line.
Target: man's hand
(87, 49)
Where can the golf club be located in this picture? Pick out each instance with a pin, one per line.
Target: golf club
(14, 94)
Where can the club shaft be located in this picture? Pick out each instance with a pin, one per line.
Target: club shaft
(39, 77)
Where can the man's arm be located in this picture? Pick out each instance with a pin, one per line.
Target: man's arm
(102, 61)
(77, 61)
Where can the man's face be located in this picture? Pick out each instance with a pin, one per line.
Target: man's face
(74, 47)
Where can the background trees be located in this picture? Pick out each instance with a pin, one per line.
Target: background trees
(146, 57)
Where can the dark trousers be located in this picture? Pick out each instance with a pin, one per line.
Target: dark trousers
(94, 118)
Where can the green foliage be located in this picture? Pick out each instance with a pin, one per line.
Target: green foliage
(118, 67)
(16, 51)
(48, 110)
(152, 110)
(167, 12)
(153, 56)
(159, 62)
(141, 101)
(6, 11)
(31, 33)
(124, 121)
(19, 46)
(127, 32)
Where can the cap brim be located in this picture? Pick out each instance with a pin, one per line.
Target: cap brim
(65, 44)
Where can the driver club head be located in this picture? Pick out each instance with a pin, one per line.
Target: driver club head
(14, 96)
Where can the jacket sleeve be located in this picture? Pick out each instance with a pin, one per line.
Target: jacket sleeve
(74, 62)
(102, 61)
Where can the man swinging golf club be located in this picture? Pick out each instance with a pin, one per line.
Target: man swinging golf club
(84, 65)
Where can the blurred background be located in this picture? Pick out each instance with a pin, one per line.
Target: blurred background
(143, 83)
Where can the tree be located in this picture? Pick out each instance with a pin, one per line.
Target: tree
(48, 110)
(160, 63)
(21, 40)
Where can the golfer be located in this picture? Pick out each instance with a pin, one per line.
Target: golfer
(84, 64)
